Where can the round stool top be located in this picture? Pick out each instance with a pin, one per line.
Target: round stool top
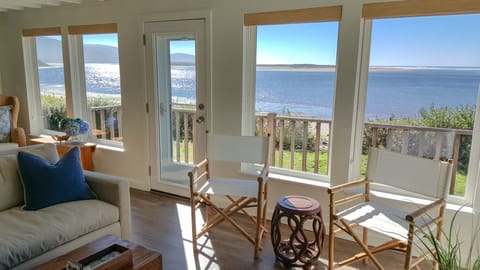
(297, 204)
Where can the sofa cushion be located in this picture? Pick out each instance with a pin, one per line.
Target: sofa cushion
(27, 234)
(7, 147)
(47, 184)
(11, 189)
(46, 151)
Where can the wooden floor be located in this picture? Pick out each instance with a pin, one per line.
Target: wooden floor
(162, 222)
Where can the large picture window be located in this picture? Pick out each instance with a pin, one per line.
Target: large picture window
(93, 92)
(293, 88)
(422, 90)
(98, 79)
(48, 88)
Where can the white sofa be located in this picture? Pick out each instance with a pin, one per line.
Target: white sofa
(29, 238)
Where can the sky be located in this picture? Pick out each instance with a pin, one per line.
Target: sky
(418, 41)
(421, 41)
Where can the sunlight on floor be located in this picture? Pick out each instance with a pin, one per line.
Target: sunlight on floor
(206, 255)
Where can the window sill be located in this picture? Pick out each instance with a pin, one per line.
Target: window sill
(113, 146)
(298, 180)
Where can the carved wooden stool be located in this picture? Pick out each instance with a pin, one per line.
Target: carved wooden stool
(296, 250)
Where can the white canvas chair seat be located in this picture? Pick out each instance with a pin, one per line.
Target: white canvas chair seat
(380, 218)
(224, 186)
(403, 229)
(240, 193)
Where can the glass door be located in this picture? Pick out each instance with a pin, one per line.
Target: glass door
(178, 86)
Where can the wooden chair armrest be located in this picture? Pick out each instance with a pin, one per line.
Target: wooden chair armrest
(348, 185)
(412, 216)
(263, 176)
(196, 168)
(18, 136)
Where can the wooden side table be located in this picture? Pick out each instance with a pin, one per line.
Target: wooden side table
(295, 249)
(86, 150)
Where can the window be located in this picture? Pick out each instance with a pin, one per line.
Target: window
(291, 94)
(422, 91)
(94, 92)
(98, 79)
(47, 65)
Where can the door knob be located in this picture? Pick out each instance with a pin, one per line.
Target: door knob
(200, 120)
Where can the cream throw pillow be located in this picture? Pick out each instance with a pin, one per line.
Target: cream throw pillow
(11, 189)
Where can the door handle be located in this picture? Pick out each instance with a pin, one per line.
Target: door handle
(200, 120)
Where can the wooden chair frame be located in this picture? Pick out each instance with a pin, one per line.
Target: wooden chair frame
(199, 175)
(418, 221)
(17, 133)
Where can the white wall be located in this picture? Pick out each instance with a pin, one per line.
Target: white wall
(226, 92)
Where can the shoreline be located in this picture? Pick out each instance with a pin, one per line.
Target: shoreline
(300, 68)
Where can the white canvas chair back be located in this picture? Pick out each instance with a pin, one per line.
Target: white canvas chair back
(231, 148)
(423, 176)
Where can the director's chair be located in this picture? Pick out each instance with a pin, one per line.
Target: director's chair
(240, 193)
(350, 208)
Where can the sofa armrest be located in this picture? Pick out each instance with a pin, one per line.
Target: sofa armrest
(116, 191)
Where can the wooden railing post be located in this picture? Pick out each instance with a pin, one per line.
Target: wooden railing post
(438, 146)
(119, 121)
(177, 134)
(292, 144)
(405, 141)
(374, 137)
(280, 142)
(456, 155)
(271, 130)
(185, 136)
(304, 146)
(318, 143)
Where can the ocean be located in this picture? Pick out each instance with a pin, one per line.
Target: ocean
(399, 92)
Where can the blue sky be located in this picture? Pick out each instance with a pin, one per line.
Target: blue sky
(312, 43)
(420, 41)
(102, 39)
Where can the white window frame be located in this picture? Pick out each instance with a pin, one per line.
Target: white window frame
(33, 87)
(74, 75)
(248, 108)
(79, 91)
(473, 175)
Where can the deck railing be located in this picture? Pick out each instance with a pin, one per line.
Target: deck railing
(106, 122)
(304, 141)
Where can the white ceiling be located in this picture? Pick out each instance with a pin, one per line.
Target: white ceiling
(5, 5)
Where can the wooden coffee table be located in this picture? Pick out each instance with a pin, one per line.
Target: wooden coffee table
(143, 258)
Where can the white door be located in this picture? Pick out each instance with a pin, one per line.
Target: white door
(176, 82)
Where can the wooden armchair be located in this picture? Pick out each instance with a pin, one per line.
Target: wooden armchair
(17, 134)
(351, 207)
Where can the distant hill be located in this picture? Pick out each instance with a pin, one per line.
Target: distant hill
(51, 49)
(182, 59)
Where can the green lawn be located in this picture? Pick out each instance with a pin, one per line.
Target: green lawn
(323, 163)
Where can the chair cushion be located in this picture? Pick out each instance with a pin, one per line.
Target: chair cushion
(11, 190)
(27, 234)
(47, 184)
(5, 123)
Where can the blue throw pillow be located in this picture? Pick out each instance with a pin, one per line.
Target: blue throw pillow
(47, 184)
